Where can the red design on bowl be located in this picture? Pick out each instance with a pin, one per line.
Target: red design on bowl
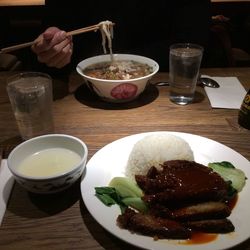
(124, 91)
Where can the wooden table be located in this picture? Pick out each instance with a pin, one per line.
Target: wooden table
(62, 221)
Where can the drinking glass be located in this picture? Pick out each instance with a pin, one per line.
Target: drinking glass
(31, 97)
(184, 66)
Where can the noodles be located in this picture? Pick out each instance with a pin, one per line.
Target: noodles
(106, 28)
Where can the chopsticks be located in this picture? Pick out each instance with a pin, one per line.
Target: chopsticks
(70, 33)
(83, 30)
(16, 47)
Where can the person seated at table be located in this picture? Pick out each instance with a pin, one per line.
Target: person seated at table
(140, 28)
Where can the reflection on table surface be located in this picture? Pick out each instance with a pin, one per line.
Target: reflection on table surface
(62, 221)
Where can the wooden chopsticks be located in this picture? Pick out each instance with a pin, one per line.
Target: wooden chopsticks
(16, 47)
(70, 33)
(83, 30)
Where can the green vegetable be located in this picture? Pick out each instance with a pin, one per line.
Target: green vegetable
(123, 192)
(136, 203)
(109, 196)
(126, 187)
(229, 173)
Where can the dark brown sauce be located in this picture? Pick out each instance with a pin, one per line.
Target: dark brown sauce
(200, 238)
(232, 203)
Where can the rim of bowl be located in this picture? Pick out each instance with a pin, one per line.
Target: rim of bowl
(56, 176)
(79, 69)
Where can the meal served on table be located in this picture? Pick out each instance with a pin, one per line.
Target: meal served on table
(166, 194)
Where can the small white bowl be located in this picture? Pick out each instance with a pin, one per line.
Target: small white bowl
(55, 182)
(125, 90)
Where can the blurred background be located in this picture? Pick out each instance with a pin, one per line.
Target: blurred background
(228, 42)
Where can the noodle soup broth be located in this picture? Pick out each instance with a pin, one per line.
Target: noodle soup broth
(118, 70)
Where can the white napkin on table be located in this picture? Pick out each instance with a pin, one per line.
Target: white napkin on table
(6, 183)
(229, 95)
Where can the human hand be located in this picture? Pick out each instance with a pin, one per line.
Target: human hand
(53, 47)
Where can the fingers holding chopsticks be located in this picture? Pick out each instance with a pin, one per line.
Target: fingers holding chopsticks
(53, 47)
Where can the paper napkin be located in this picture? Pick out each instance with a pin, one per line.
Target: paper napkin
(229, 95)
(6, 184)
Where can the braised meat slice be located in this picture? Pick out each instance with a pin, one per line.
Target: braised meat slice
(154, 181)
(183, 197)
(147, 224)
(199, 211)
(202, 211)
(211, 226)
(180, 182)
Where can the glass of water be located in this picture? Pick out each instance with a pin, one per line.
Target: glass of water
(30, 94)
(184, 65)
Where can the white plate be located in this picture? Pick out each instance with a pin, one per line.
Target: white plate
(110, 161)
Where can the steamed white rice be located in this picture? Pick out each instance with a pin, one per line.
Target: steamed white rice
(153, 150)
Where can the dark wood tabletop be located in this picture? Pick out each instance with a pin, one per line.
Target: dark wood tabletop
(62, 221)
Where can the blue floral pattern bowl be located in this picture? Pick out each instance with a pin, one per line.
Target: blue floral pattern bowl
(52, 183)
